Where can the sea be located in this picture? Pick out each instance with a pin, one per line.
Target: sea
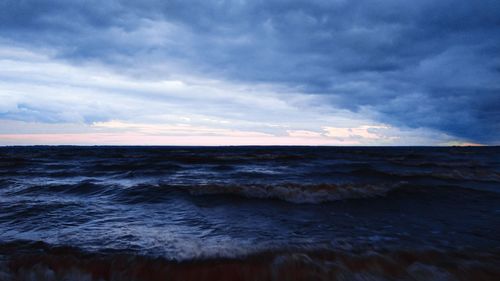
(249, 213)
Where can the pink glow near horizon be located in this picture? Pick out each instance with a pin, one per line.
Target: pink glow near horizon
(138, 139)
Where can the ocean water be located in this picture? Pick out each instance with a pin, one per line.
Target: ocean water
(249, 213)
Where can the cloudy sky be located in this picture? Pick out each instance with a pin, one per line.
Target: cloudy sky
(216, 72)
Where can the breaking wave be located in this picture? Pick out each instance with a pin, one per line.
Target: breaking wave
(44, 263)
(143, 193)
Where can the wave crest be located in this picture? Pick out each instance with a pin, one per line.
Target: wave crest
(297, 193)
(42, 262)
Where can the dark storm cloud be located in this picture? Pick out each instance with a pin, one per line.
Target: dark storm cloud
(432, 64)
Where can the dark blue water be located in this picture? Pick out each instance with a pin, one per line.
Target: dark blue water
(197, 202)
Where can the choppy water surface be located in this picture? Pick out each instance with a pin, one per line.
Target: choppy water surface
(195, 203)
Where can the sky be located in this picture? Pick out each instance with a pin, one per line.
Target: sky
(262, 72)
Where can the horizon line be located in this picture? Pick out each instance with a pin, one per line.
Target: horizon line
(236, 145)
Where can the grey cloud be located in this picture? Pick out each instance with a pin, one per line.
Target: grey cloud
(431, 64)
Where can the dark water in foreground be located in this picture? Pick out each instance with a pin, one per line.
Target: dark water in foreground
(249, 213)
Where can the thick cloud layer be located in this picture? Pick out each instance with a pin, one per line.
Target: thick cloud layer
(418, 64)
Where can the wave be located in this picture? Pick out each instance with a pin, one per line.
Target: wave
(476, 175)
(470, 175)
(141, 193)
(38, 261)
(137, 191)
(84, 187)
(297, 193)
